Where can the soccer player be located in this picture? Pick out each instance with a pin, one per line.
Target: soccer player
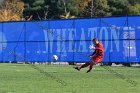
(96, 57)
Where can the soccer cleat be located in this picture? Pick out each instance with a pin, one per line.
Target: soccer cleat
(88, 71)
(77, 68)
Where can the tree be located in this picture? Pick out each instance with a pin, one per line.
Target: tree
(134, 10)
(67, 9)
(80, 6)
(96, 8)
(133, 2)
(11, 10)
(118, 7)
(67, 16)
(36, 8)
(54, 9)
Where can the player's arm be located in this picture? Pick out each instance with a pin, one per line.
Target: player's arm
(98, 48)
(92, 48)
(92, 54)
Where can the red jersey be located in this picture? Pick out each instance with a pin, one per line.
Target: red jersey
(99, 50)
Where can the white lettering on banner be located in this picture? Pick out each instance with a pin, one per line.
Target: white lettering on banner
(129, 45)
(4, 40)
(115, 37)
(104, 30)
(63, 44)
(125, 44)
(70, 33)
(132, 44)
(46, 39)
(92, 32)
(71, 37)
(83, 42)
(58, 46)
(51, 38)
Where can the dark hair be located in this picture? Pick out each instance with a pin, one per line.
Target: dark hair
(94, 39)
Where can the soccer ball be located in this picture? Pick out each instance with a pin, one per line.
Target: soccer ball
(55, 57)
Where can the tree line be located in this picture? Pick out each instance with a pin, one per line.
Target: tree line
(62, 9)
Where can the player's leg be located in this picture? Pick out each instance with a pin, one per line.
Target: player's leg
(95, 60)
(82, 66)
(92, 63)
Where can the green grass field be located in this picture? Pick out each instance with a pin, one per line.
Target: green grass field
(24, 78)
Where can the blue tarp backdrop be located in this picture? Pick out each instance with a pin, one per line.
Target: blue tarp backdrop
(70, 39)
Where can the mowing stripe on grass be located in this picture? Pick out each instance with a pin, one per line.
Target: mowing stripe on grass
(48, 75)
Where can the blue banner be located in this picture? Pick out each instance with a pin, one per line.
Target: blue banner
(38, 41)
